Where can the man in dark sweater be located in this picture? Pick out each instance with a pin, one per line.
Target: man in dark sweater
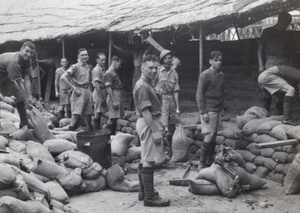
(282, 79)
(209, 98)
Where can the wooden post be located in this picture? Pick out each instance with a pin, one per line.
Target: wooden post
(63, 48)
(39, 77)
(200, 48)
(109, 49)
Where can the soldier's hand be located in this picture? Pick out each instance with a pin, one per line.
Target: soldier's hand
(157, 137)
(205, 117)
(77, 92)
(57, 94)
(261, 69)
(116, 105)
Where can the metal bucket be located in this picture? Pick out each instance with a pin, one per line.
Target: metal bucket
(96, 144)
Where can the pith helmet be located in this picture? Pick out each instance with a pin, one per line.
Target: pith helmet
(163, 54)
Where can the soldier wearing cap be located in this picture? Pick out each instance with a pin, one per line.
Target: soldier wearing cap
(166, 86)
(114, 88)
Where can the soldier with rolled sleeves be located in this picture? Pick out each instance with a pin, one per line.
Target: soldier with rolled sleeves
(15, 72)
(114, 87)
(166, 85)
(99, 93)
(149, 128)
(77, 77)
(210, 102)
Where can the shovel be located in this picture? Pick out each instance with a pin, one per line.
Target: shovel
(181, 181)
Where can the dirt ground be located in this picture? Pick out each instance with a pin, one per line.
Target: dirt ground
(269, 199)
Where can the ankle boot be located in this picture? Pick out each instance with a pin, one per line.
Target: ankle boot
(279, 108)
(96, 123)
(141, 192)
(151, 199)
(69, 114)
(204, 152)
(169, 139)
(22, 113)
(287, 110)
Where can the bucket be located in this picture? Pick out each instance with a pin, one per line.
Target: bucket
(96, 144)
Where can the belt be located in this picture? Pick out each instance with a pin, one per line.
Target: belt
(168, 94)
(85, 86)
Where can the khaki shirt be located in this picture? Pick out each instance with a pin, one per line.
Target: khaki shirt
(166, 82)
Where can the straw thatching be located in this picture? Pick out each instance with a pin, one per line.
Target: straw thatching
(48, 19)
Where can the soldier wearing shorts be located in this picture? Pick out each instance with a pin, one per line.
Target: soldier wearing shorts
(62, 90)
(114, 88)
(77, 77)
(99, 93)
(209, 98)
(148, 110)
(282, 79)
(166, 85)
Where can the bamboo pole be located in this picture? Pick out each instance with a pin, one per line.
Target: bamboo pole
(200, 48)
(63, 48)
(39, 77)
(109, 49)
(277, 143)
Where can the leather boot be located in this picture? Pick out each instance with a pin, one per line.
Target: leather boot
(169, 139)
(287, 110)
(96, 123)
(267, 103)
(204, 152)
(141, 195)
(22, 113)
(69, 114)
(151, 199)
(60, 115)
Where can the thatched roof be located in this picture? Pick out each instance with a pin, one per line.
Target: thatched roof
(48, 19)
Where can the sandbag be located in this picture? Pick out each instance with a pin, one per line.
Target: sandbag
(253, 181)
(251, 167)
(220, 139)
(241, 144)
(23, 134)
(280, 157)
(94, 185)
(215, 174)
(231, 132)
(120, 144)
(57, 192)
(8, 127)
(243, 119)
(73, 134)
(294, 132)
(289, 149)
(251, 148)
(18, 190)
(14, 205)
(64, 122)
(58, 205)
(252, 126)
(261, 171)
(92, 172)
(40, 177)
(248, 156)
(6, 107)
(203, 187)
(9, 100)
(290, 158)
(227, 154)
(117, 182)
(279, 131)
(23, 159)
(40, 126)
(75, 159)
(6, 115)
(133, 153)
(259, 112)
(9, 159)
(180, 145)
(66, 136)
(17, 146)
(58, 146)
(292, 178)
(277, 177)
(230, 142)
(264, 138)
(250, 138)
(37, 151)
(267, 152)
(3, 140)
(267, 162)
(8, 177)
(267, 126)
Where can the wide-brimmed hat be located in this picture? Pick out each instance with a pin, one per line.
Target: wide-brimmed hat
(2, 148)
(163, 54)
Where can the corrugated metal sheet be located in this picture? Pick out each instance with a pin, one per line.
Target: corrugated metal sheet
(47, 19)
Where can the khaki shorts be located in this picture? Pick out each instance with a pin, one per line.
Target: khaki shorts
(168, 110)
(151, 152)
(99, 101)
(64, 97)
(214, 123)
(119, 112)
(82, 104)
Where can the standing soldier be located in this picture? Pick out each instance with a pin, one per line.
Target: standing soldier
(210, 103)
(15, 71)
(148, 110)
(276, 44)
(62, 90)
(114, 88)
(166, 85)
(100, 93)
(77, 77)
